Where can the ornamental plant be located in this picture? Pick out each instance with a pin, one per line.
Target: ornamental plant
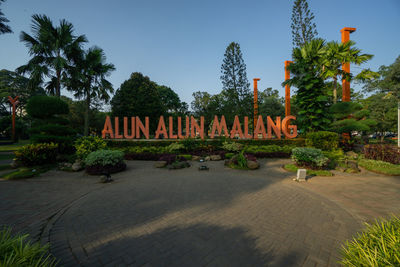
(232, 146)
(85, 145)
(105, 161)
(37, 154)
(324, 140)
(310, 157)
(377, 245)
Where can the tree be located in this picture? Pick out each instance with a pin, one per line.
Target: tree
(171, 102)
(382, 109)
(271, 104)
(236, 93)
(51, 48)
(138, 96)
(87, 79)
(207, 105)
(4, 28)
(303, 27)
(311, 96)
(335, 55)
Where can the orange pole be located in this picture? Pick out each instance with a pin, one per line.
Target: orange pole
(346, 66)
(255, 80)
(14, 102)
(287, 89)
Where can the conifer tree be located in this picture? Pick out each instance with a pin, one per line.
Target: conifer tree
(235, 85)
(303, 27)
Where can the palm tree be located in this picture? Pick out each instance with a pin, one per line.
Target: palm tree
(3, 27)
(335, 54)
(51, 48)
(87, 79)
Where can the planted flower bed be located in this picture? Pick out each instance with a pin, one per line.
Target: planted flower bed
(105, 162)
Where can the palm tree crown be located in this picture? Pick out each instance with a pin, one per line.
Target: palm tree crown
(52, 49)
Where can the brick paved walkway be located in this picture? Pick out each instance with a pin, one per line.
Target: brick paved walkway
(220, 217)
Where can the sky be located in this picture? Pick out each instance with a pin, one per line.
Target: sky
(181, 43)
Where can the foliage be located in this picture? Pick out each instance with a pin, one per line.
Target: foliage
(270, 103)
(385, 153)
(307, 156)
(52, 48)
(24, 173)
(17, 250)
(241, 160)
(37, 154)
(380, 166)
(207, 105)
(169, 158)
(48, 125)
(232, 146)
(174, 147)
(294, 168)
(44, 107)
(104, 157)
(87, 79)
(186, 156)
(269, 151)
(4, 28)
(311, 98)
(350, 117)
(303, 27)
(236, 93)
(229, 155)
(85, 145)
(323, 140)
(140, 96)
(377, 245)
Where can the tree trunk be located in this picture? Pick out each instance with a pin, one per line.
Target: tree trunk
(86, 124)
(58, 85)
(334, 90)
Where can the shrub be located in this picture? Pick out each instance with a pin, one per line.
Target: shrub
(311, 157)
(187, 157)
(242, 160)
(46, 106)
(232, 146)
(105, 161)
(37, 154)
(17, 250)
(385, 153)
(174, 147)
(229, 155)
(377, 245)
(85, 145)
(323, 140)
(169, 158)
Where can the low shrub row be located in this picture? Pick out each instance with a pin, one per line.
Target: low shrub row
(385, 153)
(37, 154)
(309, 157)
(323, 140)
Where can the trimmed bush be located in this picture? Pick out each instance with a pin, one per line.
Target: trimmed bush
(37, 154)
(323, 140)
(17, 250)
(86, 145)
(385, 153)
(377, 245)
(309, 157)
(46, 106)
(232, 146)
(105, 161)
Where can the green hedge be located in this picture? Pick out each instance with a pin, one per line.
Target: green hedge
(323, 140)
(217, 143)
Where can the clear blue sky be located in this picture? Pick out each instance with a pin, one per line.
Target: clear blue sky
(181, 43)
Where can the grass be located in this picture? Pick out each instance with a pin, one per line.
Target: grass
(294, 168)
(377, 245)
(23, 173)
(380, 166)
(13, 147)
(17, 250)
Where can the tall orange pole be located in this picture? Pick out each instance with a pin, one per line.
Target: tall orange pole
(346, 66)
(255, 80)
(287, 89)
(14, 102)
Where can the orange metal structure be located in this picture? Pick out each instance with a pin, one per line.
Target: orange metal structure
(287, 89)
(14, 102)
(346, 66)
(255, 80)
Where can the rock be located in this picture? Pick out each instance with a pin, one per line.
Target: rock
(77, 166)
(103, 179)
(352, 155)
(227, 162)
(352, 164)
(215, 157)
(160, 164)
(195, 158)
(207, 158)
(67, 165)
(252, 165)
